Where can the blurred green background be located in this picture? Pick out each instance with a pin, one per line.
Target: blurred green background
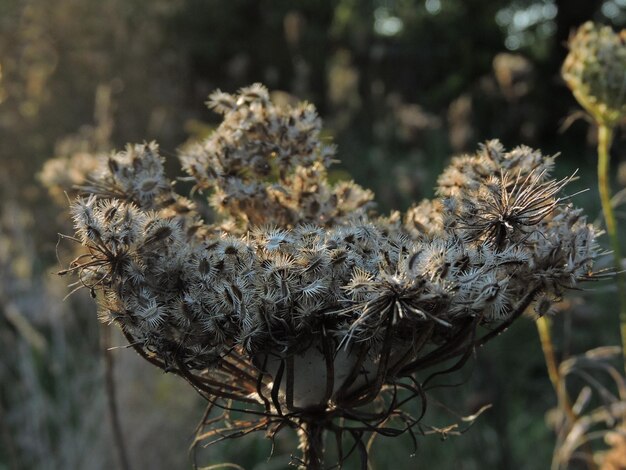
(401, 85)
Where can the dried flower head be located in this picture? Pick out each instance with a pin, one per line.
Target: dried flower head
(64, 174)
(505, 210)
(300, 301)
(595, 70)
(268, 165)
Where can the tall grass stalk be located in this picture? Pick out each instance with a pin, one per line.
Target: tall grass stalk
(111, 393)
(544, 328)
(605, 137)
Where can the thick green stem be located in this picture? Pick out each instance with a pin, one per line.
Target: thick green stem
(605, 137)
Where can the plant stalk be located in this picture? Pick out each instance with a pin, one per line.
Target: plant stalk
(605, 137)
(544, 328)
(312, 445)
(8, 441)
(109, 381)
(545, 336)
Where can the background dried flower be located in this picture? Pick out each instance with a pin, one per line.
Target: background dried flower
(595, 70)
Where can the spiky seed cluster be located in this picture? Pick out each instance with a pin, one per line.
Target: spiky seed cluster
(281, 272)
(268, 165)
(595, 70)
(135, 175)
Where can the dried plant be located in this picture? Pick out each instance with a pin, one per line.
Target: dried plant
(596, 414)
(300, 307)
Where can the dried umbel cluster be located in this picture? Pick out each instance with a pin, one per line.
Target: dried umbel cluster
(268, 166)
(595, 70)
(299, 299)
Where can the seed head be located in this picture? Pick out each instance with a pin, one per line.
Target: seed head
(298, 269)
(595, 71)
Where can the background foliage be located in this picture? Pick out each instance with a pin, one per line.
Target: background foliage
(401, 85)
